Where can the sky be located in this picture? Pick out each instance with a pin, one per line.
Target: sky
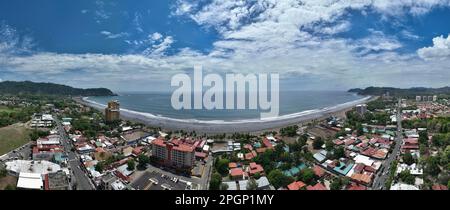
(140, 44)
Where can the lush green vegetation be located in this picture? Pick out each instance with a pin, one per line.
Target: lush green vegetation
(221, 166)
(252, 184)
(306, 175)
(289, 131)
(379, 104)
(406, 177)
(215, 182)
(435, 125)
(131, 165)
(339, 183)
(318, 142)
(90, 128)
(354, 120)
(35, 134)
(408, 158)
(11, 114)
(278, 179)
(392, 172)
(143, 160)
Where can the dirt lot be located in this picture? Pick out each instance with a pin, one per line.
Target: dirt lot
(324, 133)
(13, 136)
(7, 180)
(289, 140)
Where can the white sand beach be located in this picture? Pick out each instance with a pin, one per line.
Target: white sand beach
(218, 126)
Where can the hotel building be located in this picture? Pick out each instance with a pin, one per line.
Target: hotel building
(175, 154)
(112, 112)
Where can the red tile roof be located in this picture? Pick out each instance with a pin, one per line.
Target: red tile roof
(137, 150)
(369, 169)
(248, 156)
(236, 172)
(248, 146)
(364, 178)
(318, 186)
(255, 168)
(267, 143)
(261, 150)
(356, 187)
(232, 165)
(359, 167)
(439, 187)
(296, 185)
(411, 141)
(184, 148)
(318, 171)
(177, 145)
(200, 154)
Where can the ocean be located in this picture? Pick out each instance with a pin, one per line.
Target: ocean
(291, 102)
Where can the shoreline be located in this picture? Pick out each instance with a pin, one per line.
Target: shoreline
(238, 126)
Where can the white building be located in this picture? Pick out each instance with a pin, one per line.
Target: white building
(402, 186)
(30, 166)
(30, 181)
(42, 120)
(414, 169)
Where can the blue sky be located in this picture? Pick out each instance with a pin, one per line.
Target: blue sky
(313, 44)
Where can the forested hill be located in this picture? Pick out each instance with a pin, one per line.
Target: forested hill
(409, 92)
(28, 87)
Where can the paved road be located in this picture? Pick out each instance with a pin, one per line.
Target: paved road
(206, 176)
(82, 180)
(383, 175)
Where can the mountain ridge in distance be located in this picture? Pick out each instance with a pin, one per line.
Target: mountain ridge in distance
(46, 88)
(414, 91)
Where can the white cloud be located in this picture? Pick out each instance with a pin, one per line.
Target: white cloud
(335, 29)
(439, 51)
(101, 13)
(409, 35)
(376, 42)
(110, 35)
(11, 42)
(160, 48)
(137, 22)
(156, 36)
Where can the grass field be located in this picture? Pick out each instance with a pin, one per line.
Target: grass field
(12, 136)
(8, 110)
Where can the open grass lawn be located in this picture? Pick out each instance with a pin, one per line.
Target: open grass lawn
(13, 136)
(8, 110)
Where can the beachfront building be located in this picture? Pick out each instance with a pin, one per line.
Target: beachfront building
(175, 154)
(361, 109)
(112, 112)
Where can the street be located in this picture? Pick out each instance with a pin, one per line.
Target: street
(79, 176)
(383, 174)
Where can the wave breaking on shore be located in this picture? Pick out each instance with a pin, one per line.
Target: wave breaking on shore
(222, 126)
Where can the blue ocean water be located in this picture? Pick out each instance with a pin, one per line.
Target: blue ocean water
(159, 103)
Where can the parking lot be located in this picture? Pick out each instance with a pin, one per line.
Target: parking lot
(22, 153)
(152, 180)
